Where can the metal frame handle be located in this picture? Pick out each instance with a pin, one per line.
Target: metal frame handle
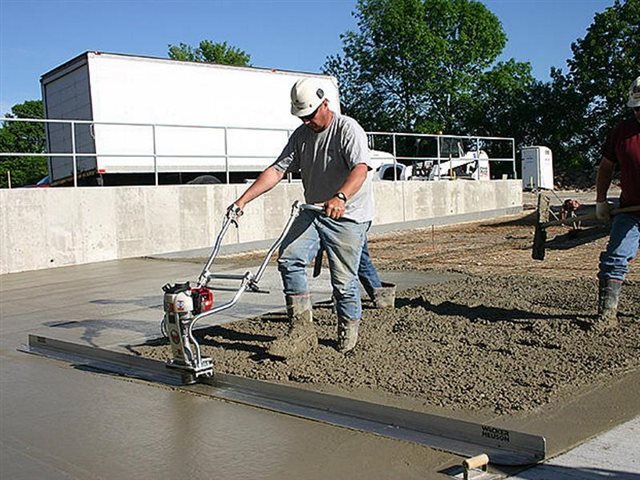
(248, 280)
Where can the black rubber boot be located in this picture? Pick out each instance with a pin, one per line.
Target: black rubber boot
(385, 296)
(301, 336)
(347, 334)
(608, 297)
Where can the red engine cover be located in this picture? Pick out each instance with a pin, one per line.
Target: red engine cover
(202, 299)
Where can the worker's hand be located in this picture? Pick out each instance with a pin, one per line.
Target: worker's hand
(603, 211)
(234, 211)
(334, 208)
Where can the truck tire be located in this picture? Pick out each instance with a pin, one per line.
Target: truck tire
(204, 180)
(388, 173)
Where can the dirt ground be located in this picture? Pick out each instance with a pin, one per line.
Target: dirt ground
(506, 337)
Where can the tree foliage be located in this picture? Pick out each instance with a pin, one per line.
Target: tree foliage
(415, 65)
(500, 104)
(23, 137)
(430, 65)
(573, 113)
(210, 52)
(603, 65)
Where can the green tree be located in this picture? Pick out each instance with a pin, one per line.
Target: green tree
(210, 52)
(23, 137)
(574, 111)
(500, 104)
(415, 65)
(604, 63)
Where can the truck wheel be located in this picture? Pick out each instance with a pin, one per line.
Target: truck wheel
(204, 180)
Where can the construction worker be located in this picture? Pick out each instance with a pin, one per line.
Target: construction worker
(332, 155)
(621, 148)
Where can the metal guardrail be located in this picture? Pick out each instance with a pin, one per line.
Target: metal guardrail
(439, 139)
(74, 154)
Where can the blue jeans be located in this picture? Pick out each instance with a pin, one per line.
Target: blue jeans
(367, 273)
(624, 241)
(342, 240)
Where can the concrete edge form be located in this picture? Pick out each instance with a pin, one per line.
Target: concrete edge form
(504, 447)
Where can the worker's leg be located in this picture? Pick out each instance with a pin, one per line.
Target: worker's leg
(383, 294)
(623, 245)
(343, 241)
(297, 249)
(367, 273)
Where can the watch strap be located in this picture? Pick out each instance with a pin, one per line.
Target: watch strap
(341, 196)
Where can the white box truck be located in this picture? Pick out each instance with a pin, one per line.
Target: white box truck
(139, 115)
(537, 168)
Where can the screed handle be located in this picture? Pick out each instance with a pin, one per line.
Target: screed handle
(478, 461)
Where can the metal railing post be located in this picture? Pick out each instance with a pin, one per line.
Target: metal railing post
(226, 155)
(438, 153)
(395, 161)
(513, 156)
(478, 158)
(439, 166)
(74, 156)
(289, 174)
(155, 155)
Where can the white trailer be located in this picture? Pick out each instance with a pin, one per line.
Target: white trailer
(138, 115)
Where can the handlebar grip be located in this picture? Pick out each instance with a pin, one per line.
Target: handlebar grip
(234, 211)
(312, 207)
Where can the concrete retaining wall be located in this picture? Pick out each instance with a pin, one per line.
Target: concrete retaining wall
(43, 228)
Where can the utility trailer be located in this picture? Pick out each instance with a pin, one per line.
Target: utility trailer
(469, 164)
(140, 120)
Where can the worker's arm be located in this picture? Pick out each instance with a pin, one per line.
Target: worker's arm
(268, 179)
(334, 207)
(603, 181)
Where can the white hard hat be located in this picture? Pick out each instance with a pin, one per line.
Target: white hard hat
(634, 94)
(306, 97)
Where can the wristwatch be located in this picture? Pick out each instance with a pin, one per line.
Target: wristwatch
(341, 196)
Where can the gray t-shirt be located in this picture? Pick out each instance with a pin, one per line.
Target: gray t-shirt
(325, 160)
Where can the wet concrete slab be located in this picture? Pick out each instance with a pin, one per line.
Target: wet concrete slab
(60, 422)
(64, 422)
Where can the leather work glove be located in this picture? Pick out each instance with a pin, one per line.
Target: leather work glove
(603, 211)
